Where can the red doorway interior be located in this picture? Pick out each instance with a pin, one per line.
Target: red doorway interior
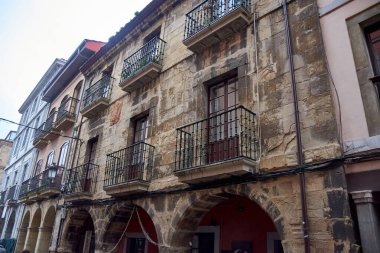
(241, 225)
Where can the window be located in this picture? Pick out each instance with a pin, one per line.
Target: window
(26, 115)
(15, 177)
(140, 134)
(206, 239)
(24, 172)
(34, 104)
(26, 135)
(141, 130)
(38, 168)
(7, 182)
(16, 146)
(63, 154)
(154, 34)
(372, 34)
(49, 159)
(91, 150)
(223, 122)
(136, 243)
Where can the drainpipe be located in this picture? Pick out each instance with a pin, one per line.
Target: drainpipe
(300, 159)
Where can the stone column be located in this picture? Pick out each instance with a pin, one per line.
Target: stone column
(368, 221)
(31, 238)
(21, 239)
(43, 241)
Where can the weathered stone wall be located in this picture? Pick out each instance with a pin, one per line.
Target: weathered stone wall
(179, 97)
(177, 215)
(5, 152)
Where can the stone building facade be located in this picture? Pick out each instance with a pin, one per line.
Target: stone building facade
(351, 38)
(188, 141)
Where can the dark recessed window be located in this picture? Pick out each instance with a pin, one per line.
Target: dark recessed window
(372, 34)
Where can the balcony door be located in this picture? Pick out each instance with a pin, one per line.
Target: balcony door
(92, 145)
(223, 137)
(136, 169)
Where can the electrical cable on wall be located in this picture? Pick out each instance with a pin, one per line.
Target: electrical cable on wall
(19, 124)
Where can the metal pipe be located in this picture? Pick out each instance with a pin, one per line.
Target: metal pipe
(300, 159)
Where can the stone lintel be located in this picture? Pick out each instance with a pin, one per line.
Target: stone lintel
(362, 197)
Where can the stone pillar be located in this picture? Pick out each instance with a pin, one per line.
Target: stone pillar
(43, 240)
(31, 238)
(21, 239)
(369, 225)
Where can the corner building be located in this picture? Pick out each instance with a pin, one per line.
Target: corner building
(188, 140)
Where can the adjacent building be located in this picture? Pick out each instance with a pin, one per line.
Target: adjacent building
(23, 155)
(351, 34)
(5, 151)
(40, 193)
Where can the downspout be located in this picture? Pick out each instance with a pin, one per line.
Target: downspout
(300, 159)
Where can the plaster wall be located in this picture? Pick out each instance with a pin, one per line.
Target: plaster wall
(342, 66)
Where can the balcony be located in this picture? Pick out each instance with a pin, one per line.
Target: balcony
(212, 21)
(12, 195)
(66, 114)
(96, 98)
(50, 131)
(39, 141)
(143, 66)
(80, 183)
(129, 170)
(43, 186)
(217, 148)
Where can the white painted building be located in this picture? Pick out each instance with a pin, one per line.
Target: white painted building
(22, 158)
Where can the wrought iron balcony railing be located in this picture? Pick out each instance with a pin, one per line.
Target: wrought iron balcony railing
(219, 138)
(151, 52)
(133, 163)
(24, 189)
(12, 193)
(67, 109)
(100, 90)
(81, 179)
(39, 132)
(50, 178)
(208, 12)
(49, 123)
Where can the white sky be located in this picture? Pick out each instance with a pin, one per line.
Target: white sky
(35, 32)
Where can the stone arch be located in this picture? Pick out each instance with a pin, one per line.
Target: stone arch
(10, 225)
(78, 228)
(46, 230)
(23, 232)
(124, 216)
(190, 211)
(32, 234)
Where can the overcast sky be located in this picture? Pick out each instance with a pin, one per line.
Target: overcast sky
(35, 32)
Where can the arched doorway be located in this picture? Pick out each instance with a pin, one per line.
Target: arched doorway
(22, 232)
(32, 235)
(44, 236)
(131, 230)
(10, 225)
(79, 233)
(234, 225)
